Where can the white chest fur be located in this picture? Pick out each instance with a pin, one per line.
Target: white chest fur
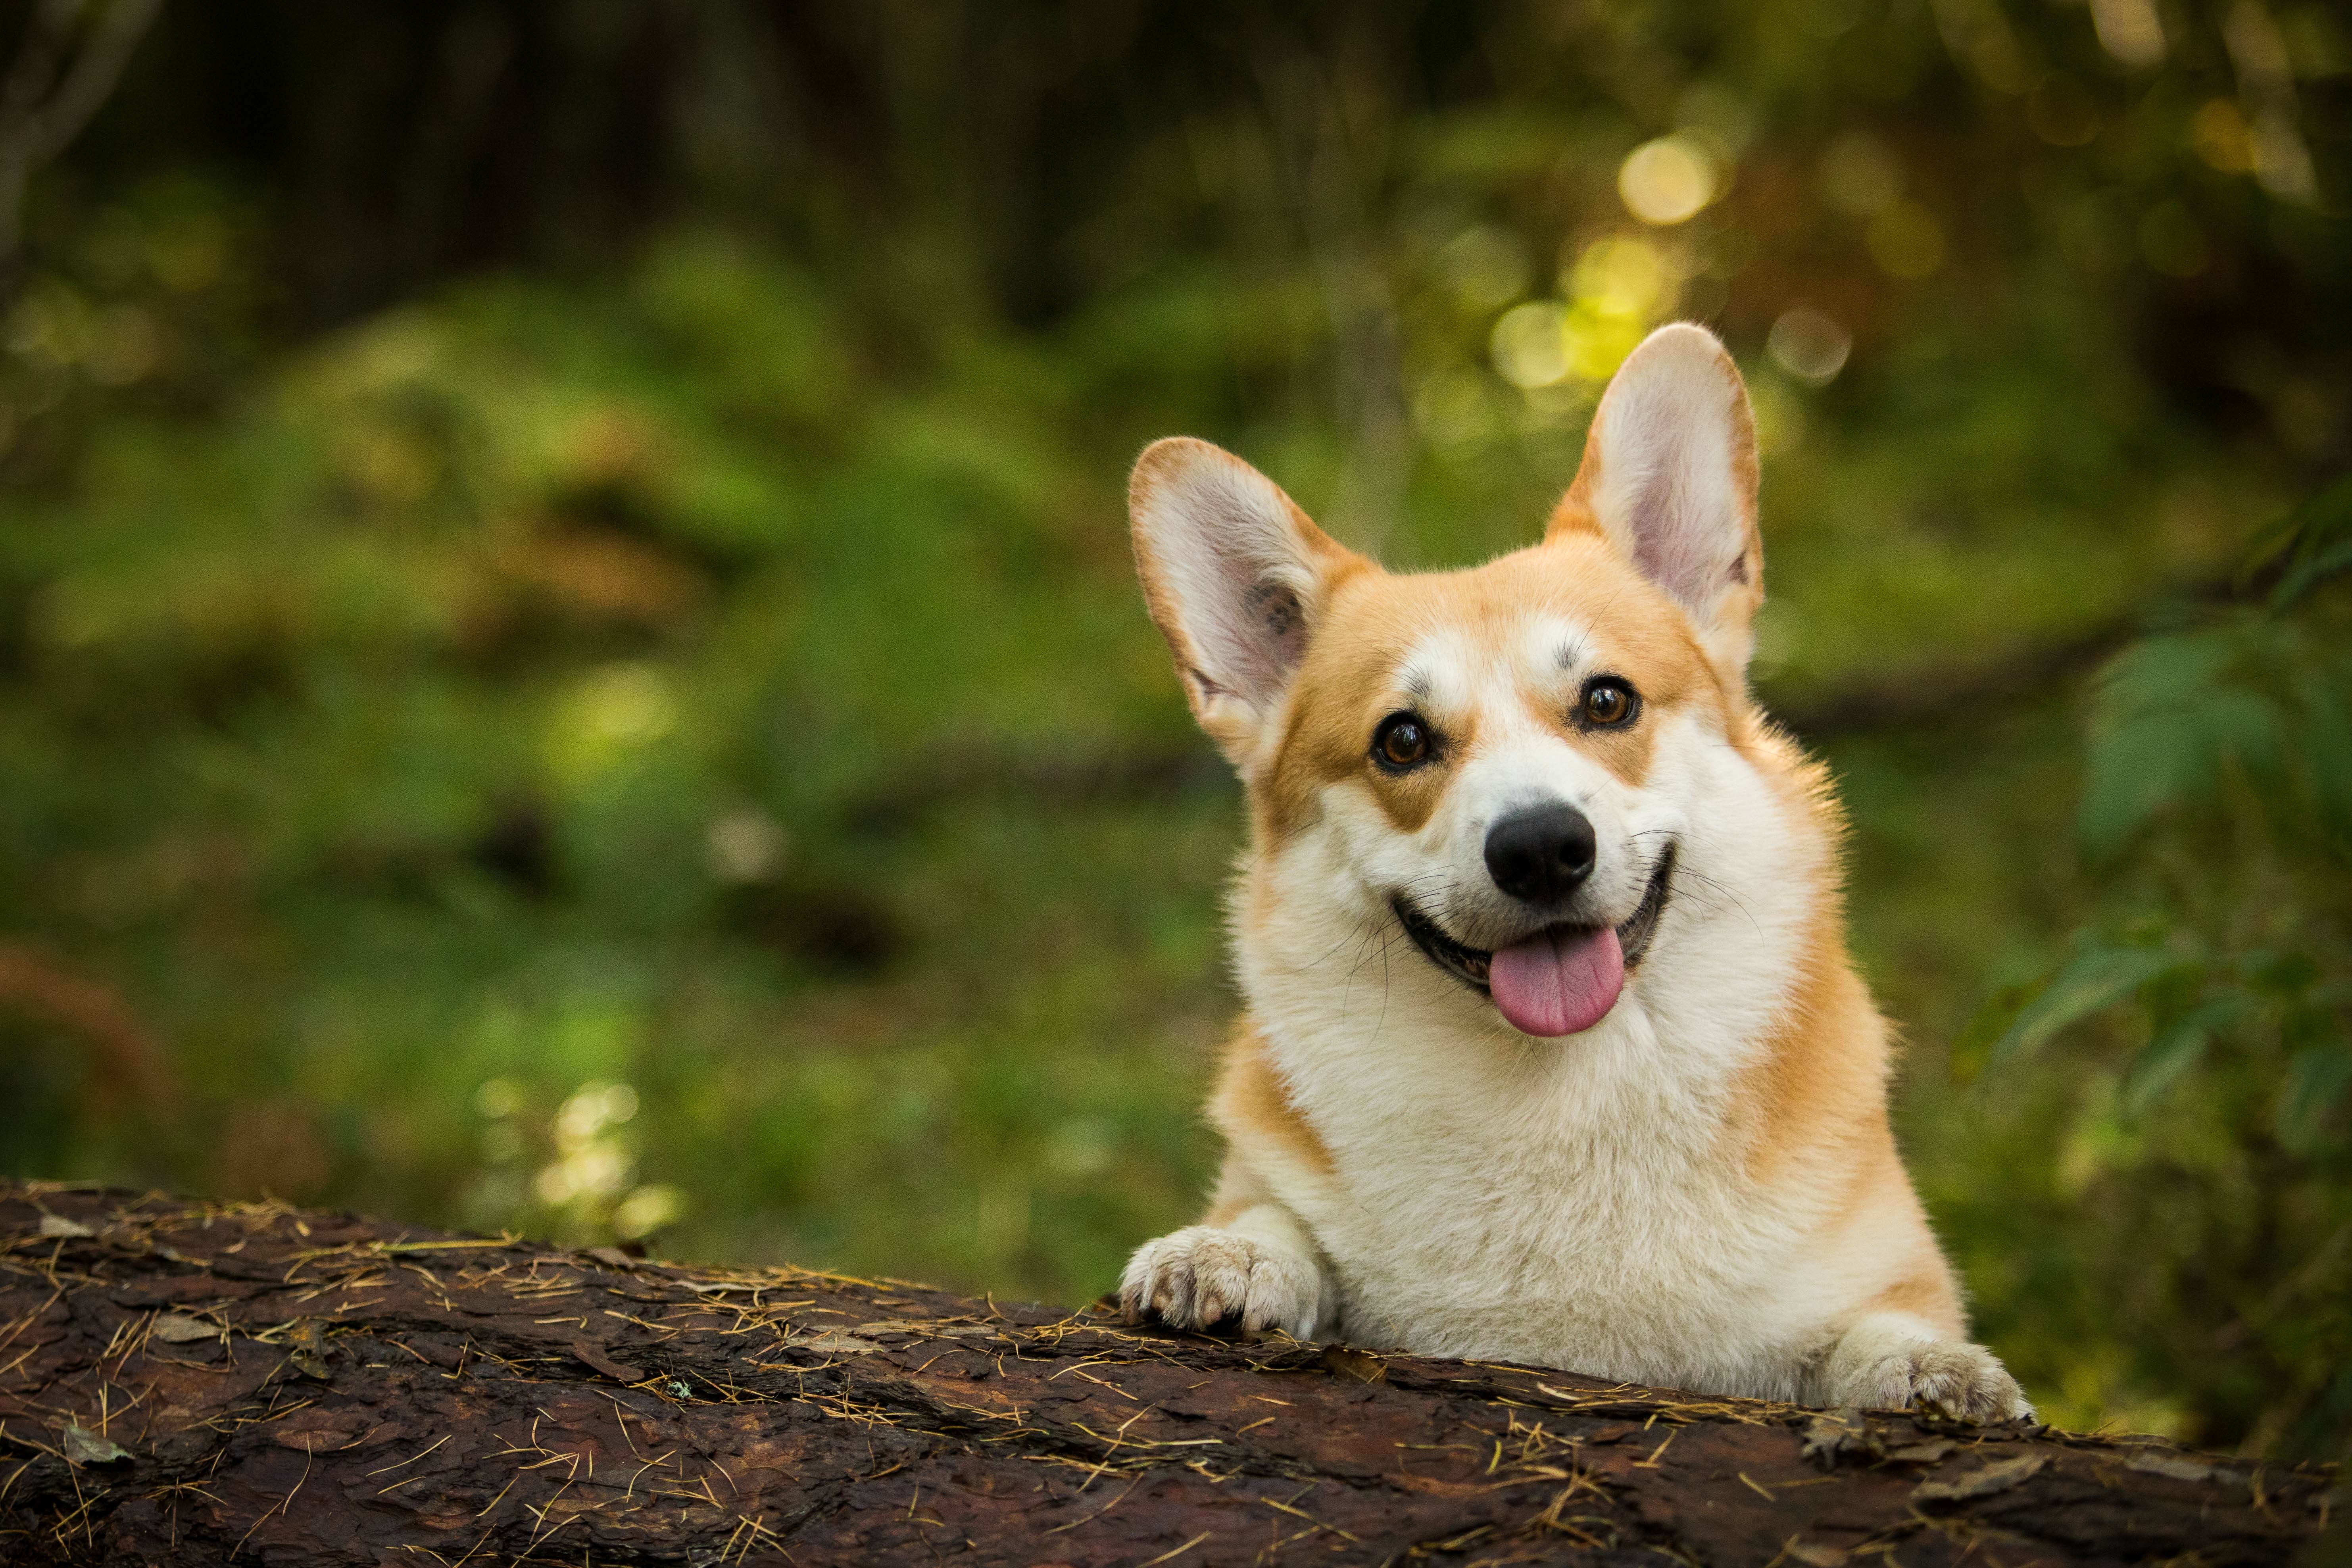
(1601, 1233)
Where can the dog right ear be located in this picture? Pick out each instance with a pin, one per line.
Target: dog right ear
(1236, 578)
(1669, 476)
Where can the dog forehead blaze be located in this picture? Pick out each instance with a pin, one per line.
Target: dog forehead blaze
(1479, 654)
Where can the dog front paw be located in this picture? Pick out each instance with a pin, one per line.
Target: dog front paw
(1197, 1276)
(1887, 1367)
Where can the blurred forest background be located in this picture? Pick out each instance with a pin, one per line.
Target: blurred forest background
(568, 657)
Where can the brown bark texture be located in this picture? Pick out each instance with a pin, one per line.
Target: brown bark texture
(199, 1384)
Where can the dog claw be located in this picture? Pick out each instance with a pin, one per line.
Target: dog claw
(1199, 1277)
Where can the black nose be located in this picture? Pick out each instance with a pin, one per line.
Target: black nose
(1540, 854)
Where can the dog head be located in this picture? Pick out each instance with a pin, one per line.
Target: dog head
(1509, 762)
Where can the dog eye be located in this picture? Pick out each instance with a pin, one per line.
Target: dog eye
(1401, 742)
(1609, 702)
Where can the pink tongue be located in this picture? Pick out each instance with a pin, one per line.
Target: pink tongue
(1557, 982)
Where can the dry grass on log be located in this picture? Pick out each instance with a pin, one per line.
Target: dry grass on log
(203, 1383)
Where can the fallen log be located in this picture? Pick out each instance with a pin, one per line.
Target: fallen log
(201, 1382)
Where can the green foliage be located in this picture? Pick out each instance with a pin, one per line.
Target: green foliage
(658, 737)
(2215, 797)
(2028, 1015)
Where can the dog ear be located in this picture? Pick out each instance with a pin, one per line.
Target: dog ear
(1669, 476)
(1236, 576)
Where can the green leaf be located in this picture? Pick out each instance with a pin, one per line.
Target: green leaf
(2168, 714)
(2315, 1080)
(2320, 547)
(2093, 981)
(2328, 749)
(2176, 1050)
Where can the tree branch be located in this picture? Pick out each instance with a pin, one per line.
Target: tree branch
(37, 123)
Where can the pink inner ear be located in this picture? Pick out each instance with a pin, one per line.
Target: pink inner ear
(1680, 510)
(1670, 467)
(1231, 570)
(1220, 540)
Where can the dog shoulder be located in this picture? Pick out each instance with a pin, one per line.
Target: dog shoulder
(1255, 1108)
(1821, 1139)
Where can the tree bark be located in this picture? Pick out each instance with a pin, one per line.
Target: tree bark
(201, 1382)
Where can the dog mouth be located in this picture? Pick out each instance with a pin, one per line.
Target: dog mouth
(1560, 980)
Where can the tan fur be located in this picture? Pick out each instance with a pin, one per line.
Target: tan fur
(1253, 1108)
(1931, 1296)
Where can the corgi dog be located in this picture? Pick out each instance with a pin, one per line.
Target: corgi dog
(1553, 1052)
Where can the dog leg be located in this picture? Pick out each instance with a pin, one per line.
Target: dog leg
(1259, 1266)
(1891, 1360)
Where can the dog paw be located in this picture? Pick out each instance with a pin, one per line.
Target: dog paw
(1953, 1376)
(1197, 1276)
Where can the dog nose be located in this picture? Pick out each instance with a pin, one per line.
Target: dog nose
(1540, 854)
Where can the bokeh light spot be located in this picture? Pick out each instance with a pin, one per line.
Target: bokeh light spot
(2219, 133)
(1528, 345)
(1625, 275)
(498, 1097)
(648, 1210)
(746, 846)
(1810, 345)
(1667, 181)
(2130, 30)
(626, 704)
(608, 720)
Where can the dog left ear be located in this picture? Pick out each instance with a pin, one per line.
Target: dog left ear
(1669, 477)
(1236, 577)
